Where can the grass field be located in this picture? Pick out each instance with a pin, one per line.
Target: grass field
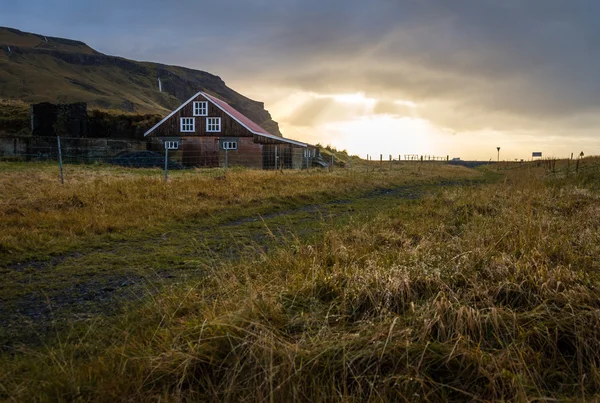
(451, 284)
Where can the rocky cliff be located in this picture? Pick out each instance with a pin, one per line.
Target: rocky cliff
(36, 68)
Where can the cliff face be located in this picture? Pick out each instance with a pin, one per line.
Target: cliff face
(35, 68)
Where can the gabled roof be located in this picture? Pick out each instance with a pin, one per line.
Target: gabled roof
(235, 115)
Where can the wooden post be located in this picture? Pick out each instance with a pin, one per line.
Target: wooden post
(307, 153)
(226, 158)
(390, 162)
(166, 162)
(381, 162)
(276, 157)
(331, 162)
(60, 164)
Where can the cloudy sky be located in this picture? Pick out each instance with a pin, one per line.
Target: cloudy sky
(437, 77)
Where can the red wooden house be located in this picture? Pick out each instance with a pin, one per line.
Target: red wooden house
(211, 131)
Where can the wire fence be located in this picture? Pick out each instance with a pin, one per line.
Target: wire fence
(208, 153)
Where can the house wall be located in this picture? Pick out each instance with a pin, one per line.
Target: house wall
(229, 126)
(202, 148)
(248, 154)
(200, 151)
(298, 158)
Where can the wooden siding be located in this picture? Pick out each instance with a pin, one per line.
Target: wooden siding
(229, 126)
(299, 158)
(248, 154)
(200, 151)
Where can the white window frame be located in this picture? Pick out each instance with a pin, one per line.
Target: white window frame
(171, 145)
(187, 125)
(200, 108)
(213, 125)
(230, 145)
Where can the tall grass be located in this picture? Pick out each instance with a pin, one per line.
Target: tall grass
(472, 294)
(38, 216)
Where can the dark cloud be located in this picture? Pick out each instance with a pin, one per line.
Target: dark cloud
(471, 63)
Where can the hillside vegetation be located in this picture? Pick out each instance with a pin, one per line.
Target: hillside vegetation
(47, 69)
(14, 117)
(473, 293)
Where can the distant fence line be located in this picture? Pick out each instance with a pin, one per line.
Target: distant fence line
(132, 153)
(151, 153)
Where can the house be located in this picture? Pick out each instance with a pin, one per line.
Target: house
(211, 133)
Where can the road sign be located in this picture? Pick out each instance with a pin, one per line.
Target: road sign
(536, 154)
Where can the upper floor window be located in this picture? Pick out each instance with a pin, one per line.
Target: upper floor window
(200, 108)
(213, 124)
(188, 125)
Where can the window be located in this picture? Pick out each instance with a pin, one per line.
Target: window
(171, 145)
(230, 145)
(188, 125)
(200, 108)
(213, 124)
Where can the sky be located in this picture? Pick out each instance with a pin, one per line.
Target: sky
(436, 77)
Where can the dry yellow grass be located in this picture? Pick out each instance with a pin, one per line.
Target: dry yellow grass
(477, 294)
(39, 216)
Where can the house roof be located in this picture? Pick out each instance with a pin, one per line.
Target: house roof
(235, 115)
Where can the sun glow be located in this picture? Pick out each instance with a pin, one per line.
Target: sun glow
(354, 122)
(357, 98)
(381, 134)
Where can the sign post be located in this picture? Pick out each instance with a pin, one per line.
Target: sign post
(169, 145)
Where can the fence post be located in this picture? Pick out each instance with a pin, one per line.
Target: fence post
(306, 152)
(350, 164)
(380, 162)
(60, 164)
(390, 162)
(276, 157)
(331, 162)
(226, 158)
(166, 162)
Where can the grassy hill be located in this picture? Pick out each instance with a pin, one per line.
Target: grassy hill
(36, 68)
